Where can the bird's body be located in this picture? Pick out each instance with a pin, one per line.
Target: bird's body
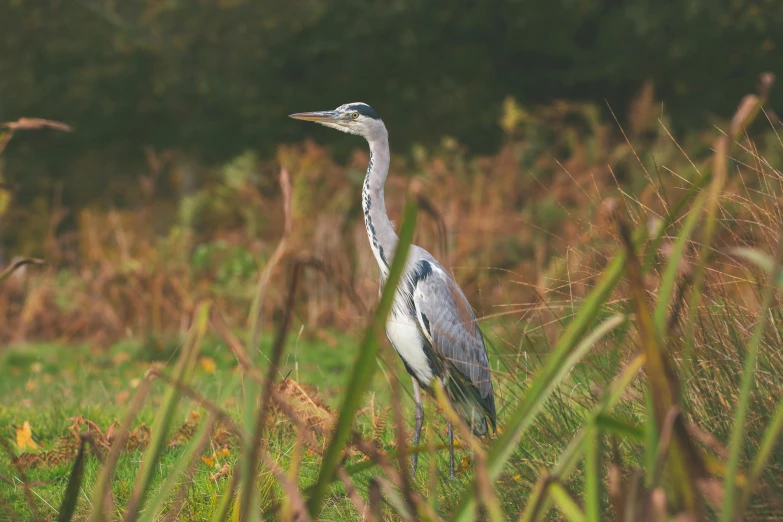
(434, 331)
(431, 326)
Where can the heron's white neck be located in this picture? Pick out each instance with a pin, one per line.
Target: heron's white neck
(383, 239)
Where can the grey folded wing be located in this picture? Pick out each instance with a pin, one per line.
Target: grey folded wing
(447, 320)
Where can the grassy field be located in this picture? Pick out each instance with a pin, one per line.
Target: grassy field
(57, 387)
(634, 339)
(63, 390)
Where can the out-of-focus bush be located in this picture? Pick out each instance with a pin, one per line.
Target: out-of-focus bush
(529, 225)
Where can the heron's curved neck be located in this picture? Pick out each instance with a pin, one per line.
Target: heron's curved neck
(383, 239)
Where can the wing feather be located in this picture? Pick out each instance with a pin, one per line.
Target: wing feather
(447, 320)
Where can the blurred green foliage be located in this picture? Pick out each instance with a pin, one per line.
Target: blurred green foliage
(231, 263)
(217, 77)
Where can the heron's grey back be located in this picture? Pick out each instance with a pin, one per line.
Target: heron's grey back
(448, 320)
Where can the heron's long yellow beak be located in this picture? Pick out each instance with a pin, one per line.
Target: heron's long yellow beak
(316, 116)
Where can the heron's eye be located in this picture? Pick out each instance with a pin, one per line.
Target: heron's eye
(354, 115)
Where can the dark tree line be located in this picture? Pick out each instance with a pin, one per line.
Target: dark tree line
(215, 77)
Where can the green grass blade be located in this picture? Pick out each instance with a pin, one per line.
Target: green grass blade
(768, 442)
(252, 396)
(620, 427)
(183, 372)
(363, 370)
(224, 504)
(593, 477)
(248, 481)
(568, 351)
(395, 500)
(673, 216)
(538, 501)
(566, 503)
(250, 504)
(156, 503)
(748, 110)
(71, 496)
(683, 460)
(650, 437)
(760, 259)
(737, 436)
(619, 385)
(672, 267)
(570, 457)
(102, 491)
(552, 373)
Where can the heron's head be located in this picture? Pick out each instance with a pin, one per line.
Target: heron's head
(355, 118)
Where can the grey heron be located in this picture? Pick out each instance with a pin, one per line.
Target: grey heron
(431, 326)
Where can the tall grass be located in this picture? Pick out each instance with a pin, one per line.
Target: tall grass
(660, 339)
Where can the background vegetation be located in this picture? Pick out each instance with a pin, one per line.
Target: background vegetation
(200, 335)
(212, 79)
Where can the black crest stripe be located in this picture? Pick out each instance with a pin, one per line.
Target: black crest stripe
(364, 110)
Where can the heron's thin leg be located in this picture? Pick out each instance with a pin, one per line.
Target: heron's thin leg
(451, 451)
(419, 416)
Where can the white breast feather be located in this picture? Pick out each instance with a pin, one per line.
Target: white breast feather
(404, 335)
